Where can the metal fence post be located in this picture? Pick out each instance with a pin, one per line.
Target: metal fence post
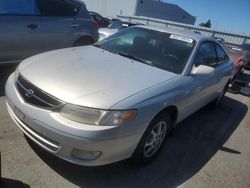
(244, 40)
(213, 34)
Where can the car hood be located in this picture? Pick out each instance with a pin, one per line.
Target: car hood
(89, 76)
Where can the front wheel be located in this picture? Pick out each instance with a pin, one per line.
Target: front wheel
(153, 139)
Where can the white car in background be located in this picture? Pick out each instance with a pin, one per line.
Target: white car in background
(115, 26)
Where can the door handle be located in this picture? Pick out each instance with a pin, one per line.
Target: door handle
(32, 26)
(74, 25)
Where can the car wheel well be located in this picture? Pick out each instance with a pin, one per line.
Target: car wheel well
(84, 40)
(172, 111)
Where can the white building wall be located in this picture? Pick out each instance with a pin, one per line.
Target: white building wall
(112, 8)
(148, 8)
(161, 10)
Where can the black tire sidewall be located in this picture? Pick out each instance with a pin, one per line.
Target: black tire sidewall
(138, 156)
(214, 104)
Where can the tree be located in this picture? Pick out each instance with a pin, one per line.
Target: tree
(207, 24)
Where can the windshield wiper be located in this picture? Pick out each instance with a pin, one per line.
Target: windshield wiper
(101, 47)
(135, 58)
(126, 55)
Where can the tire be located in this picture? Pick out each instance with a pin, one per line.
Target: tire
(152, 140)
(216, 102)
(84, 41)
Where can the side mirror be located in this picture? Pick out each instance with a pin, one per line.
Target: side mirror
(203, 70)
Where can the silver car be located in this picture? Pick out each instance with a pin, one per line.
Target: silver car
(118, 99)
(29, 27)
(115, 26)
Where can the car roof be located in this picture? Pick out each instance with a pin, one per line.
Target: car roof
(185, 33)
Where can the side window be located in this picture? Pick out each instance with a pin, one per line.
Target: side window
(222, 56)
(206, 55)
(18, 7)
(59, 8)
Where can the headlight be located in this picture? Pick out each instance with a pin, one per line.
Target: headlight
(118, 117)
(82, 115)
(92, 116)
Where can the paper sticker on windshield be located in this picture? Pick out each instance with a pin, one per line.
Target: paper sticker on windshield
(181, 38)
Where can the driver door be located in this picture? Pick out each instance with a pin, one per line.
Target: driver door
(199, 88)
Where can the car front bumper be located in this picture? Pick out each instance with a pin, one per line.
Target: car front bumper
(99, 145)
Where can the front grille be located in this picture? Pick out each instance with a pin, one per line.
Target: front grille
(35, 96)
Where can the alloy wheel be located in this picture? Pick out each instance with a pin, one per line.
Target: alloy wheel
(155, 139)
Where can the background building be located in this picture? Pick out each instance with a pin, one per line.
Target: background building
(147, 8)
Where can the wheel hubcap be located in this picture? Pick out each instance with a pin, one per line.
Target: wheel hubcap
(155, 139)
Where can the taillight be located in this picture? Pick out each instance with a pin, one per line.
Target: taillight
(95, 24)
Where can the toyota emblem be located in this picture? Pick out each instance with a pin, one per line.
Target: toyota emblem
(29, 93)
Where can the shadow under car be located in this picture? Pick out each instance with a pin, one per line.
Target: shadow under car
(193, 143)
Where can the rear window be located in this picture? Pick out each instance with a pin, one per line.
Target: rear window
(18, 7)
(59, 8)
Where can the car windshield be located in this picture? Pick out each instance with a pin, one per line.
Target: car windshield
(163, 50)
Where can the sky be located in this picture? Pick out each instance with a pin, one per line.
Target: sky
(228, 15)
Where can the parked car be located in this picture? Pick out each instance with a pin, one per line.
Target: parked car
(101, 21)
(115, 26)
(29, 27)
(117, 99)
(238, 56)
(246, 47)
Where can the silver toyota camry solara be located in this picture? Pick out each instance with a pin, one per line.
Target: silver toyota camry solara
(121, 97)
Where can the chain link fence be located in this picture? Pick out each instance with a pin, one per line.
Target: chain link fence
(228, 37)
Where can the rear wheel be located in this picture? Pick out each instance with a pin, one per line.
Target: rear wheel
(153, 139)
(215, 103)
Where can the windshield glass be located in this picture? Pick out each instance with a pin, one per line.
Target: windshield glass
(159, 49)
